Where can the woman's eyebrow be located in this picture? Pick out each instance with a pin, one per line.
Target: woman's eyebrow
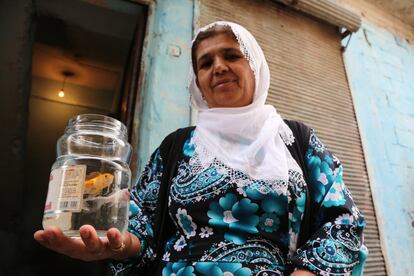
(203, 57)
(224, 50)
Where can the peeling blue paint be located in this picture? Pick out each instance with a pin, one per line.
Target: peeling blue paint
(165, 105)
(380, 68)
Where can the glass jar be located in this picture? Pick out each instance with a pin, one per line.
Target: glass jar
(90, 180)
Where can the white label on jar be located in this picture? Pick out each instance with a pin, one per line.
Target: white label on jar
(66, 189)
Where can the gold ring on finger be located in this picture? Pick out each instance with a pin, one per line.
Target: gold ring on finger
(118, 249)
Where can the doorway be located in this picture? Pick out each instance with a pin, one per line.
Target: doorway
(85, 60)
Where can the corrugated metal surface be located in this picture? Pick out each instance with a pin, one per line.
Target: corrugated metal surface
(308, 83)
(328, 11)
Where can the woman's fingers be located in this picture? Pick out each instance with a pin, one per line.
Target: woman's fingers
(122, 245)
(40, 236)
(115, 239)
(61, 243)
(46, 237)
(90, 247)
(93, 243)
(54, 239)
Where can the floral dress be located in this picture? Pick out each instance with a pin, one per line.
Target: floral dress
(229, 224)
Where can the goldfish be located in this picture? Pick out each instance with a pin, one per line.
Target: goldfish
(97, 182)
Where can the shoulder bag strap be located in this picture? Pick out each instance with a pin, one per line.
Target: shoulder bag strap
(298, 149)
(171, 152)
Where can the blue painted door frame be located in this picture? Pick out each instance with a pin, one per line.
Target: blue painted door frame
(166, 61)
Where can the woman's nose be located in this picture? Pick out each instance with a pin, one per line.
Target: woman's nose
(220, 66)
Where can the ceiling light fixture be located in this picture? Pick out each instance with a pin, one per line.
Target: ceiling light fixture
(66, 74)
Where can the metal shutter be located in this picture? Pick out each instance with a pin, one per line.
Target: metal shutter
(308, 83)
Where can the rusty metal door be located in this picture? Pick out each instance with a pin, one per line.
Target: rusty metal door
(308, 83)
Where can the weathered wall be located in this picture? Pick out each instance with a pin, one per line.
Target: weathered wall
(375, 12)
(166, 57)
(380, 68)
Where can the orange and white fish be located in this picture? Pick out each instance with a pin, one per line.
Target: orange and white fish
(97, 182)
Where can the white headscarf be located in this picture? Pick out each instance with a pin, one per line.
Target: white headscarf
(246, 138)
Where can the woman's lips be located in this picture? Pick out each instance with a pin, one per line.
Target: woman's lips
(223, 83)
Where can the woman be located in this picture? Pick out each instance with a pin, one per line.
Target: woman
(239, 194)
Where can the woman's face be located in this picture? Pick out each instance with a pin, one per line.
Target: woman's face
(224, 76)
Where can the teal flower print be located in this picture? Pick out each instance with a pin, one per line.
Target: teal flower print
(320, 173)
(188, 148)
(269, 222)
(338, 173)
(236, 216)
(345, 219)
(133, 208)
(178, 269)
(360, 220)
(222, 269)
(328, 159)
(273, 204)
(270, 202)
(296, 217)
(335, 196)
(186, 223)
(328, 249)
(180, 244)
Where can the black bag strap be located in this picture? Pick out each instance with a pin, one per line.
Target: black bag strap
(301, 132)
(171, 152)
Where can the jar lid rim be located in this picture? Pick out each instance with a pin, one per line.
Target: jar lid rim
(89, 120)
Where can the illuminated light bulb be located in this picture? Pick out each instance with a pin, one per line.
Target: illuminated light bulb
(66, 74)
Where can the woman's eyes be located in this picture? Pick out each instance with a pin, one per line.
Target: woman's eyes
(205, 64)
(230, 57)
(233, 56)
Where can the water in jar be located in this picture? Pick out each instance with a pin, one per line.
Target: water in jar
(88, 190)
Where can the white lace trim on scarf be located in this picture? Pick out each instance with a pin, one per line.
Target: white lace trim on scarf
(203, 159)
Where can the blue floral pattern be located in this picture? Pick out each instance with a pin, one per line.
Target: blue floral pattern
(189, 147)
(338, 223)
(178, 269)
(227, 225)
(186, 223)
(214, 268)
(269, 222)
(180, 244)
(297, 214)
(237, 217)
(205, 268)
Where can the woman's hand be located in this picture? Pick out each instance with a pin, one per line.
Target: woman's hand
(301, 272)
(90, 247)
